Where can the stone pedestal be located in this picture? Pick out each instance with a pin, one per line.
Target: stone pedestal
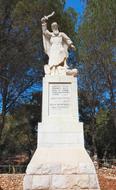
(60, 161)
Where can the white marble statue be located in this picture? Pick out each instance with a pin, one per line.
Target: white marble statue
(56, 46)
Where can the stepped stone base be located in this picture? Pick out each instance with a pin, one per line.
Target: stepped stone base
(61, 169)
(61, 182)
(60, 161)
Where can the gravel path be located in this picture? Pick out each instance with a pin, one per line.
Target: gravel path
(11, 181)
(15, 181)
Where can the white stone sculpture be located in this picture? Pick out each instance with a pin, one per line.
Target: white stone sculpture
(60, 161)
(56, 46)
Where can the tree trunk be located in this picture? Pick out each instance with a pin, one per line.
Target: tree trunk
(4, 103)
(2, 124)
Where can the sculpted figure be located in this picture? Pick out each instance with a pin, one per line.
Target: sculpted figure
(56, 46)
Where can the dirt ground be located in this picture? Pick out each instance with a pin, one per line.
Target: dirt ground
(107, 180)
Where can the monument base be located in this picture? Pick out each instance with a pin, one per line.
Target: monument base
(60, 161)
(61, 169)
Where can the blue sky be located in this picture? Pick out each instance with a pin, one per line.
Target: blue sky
(78, 5)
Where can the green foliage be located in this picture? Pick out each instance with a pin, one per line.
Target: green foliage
(105, 134)
(20, 131)
(98, 31)
(21, 55)
(102, 118)
(21, 66)
(96, 50)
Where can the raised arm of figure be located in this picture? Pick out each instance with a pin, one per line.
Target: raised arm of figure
(45, 31)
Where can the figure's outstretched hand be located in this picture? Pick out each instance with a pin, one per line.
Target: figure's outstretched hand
(43, 20)
(73, 47)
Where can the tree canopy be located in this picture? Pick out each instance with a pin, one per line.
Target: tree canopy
(21, 70)
(21, 55)
(96, 50)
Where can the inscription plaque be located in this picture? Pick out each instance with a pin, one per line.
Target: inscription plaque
(59, 98)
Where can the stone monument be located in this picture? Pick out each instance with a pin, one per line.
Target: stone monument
(60, 161)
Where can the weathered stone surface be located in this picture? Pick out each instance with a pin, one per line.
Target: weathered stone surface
(75, 188)
(49, 168)
(28, 182)
(60, 161)
(83, 181)
(63, 181)
(87, 168)
(69, 169)
(93, 182)
(62, 189)
(41, 182)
